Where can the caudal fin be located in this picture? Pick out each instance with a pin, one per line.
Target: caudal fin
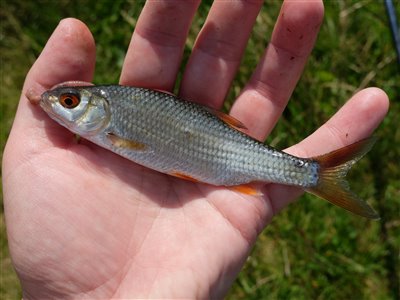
(332, 185)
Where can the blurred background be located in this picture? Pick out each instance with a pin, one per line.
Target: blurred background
(312, 250)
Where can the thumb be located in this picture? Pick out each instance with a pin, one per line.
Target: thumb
(68, 55)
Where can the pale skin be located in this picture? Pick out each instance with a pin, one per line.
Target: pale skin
(84, 222)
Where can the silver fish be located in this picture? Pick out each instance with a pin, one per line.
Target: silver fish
(184, 139)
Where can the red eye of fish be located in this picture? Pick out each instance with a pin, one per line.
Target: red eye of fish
(69, 100)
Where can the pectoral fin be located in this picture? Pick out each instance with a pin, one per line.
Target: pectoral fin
(125, 143)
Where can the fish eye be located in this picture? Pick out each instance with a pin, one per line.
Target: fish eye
(69, 100)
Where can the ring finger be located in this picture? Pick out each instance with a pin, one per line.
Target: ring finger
(265, 96)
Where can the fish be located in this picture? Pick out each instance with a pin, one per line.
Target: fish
(187, 140)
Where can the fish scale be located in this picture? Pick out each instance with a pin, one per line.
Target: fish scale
(181, 138)
(179, 141)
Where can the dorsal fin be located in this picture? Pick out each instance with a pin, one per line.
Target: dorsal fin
(165, 92)
(227, 119)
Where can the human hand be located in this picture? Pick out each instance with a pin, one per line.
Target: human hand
(84, 222)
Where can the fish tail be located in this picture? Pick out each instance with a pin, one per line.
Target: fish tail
(332, 185)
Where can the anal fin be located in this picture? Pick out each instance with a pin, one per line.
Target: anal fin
(246, 189)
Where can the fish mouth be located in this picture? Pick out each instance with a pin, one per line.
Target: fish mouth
(47, 102)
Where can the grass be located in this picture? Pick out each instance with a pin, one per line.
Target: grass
(311, 250)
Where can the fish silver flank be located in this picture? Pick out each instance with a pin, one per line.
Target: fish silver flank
(184, 139)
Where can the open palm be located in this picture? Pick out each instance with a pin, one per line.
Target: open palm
(84, 222)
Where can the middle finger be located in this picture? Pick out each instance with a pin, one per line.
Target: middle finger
(218, 50)
(155, 51)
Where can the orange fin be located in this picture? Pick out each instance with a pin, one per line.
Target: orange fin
(183, 176)
(125, 143)
(332, 185)
(231, 121)
(246, 189)
(165, 92)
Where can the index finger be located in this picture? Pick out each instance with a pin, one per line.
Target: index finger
(155, 51)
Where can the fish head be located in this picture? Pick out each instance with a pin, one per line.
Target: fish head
(77, 108)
